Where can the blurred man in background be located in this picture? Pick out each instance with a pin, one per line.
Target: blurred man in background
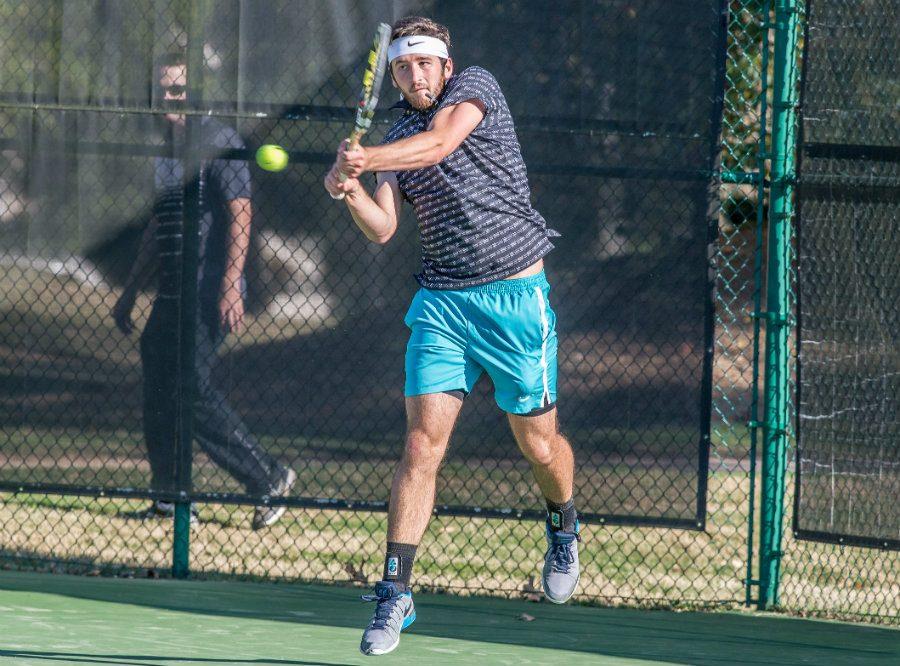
(224, 226)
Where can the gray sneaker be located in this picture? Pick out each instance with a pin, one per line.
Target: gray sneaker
(264, 516)
(560, 575)
(163, 509)
(394, 612)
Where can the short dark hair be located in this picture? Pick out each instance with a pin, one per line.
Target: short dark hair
(419, 25)
(170, 59)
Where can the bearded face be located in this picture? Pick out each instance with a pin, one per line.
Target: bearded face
(421, 78)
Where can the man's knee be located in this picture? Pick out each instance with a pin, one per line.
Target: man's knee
(539, 437)
(540, 449)
(424, 452)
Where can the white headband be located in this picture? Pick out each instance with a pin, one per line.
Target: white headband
(418, 44)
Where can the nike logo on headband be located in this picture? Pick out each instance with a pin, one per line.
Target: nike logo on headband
(411, 43)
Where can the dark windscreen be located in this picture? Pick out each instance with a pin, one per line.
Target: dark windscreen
(848, 455)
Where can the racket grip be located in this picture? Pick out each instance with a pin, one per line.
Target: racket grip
(353, 140)
(343, 178)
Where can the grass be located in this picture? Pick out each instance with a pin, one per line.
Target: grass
(467, 554)
(117, 459)
(622, 565)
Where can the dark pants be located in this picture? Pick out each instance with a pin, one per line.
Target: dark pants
(217, 428)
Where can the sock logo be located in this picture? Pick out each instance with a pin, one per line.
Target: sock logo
(393, 566)
(556, 518)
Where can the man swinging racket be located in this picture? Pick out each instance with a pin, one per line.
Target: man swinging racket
(483, 304)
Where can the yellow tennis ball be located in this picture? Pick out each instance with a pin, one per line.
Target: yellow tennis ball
(271, 157)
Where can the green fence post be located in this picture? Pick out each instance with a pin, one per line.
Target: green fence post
(761, 184)
(191, 160)
(774, 455)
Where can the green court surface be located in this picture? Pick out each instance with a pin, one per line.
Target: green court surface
(50, 619)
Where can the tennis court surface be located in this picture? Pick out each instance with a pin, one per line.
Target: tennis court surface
(58, 619)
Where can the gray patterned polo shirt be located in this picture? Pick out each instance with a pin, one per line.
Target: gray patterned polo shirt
(474, 207)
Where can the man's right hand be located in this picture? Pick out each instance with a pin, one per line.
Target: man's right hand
(338, 188)
(121, 311)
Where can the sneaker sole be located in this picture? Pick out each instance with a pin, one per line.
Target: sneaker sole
(167, 516)
(375, 652)
(274, 518)
(280, 511)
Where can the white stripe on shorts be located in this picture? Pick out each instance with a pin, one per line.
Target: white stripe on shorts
(545, 333)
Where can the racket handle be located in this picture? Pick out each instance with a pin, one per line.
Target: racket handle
(353, 141)
(343, 178)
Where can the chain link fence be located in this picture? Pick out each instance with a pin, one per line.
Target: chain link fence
(655, 279)
(845, 292)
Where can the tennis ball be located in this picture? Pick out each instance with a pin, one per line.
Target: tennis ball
(271, 157)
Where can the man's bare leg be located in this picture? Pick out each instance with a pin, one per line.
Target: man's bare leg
(430, 420)
(553, 465)
(548, 452)
(429, 423)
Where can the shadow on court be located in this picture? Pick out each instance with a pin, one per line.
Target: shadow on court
(241, 611)
(142, 659)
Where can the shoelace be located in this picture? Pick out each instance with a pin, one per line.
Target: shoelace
(383, 610)
(561, 555)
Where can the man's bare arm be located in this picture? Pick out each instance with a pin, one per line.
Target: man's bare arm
(231, 305)
(241, 213)
(375, 215)
(448, 130)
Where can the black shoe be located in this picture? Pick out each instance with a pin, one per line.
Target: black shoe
(163, 509)
(265, 516)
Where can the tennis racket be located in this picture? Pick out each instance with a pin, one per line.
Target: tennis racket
(372, 78)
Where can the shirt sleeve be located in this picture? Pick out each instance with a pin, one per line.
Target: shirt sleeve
(233, 175)
(474, 83)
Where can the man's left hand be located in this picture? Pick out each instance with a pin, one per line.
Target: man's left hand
(231, 310)
(352, 161)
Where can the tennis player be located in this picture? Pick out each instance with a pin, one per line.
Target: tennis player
(483, 305)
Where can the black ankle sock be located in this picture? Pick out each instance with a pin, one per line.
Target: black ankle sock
(398, 563)
(562, 516)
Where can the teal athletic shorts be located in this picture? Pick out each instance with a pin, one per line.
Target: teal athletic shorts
(505, 328)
